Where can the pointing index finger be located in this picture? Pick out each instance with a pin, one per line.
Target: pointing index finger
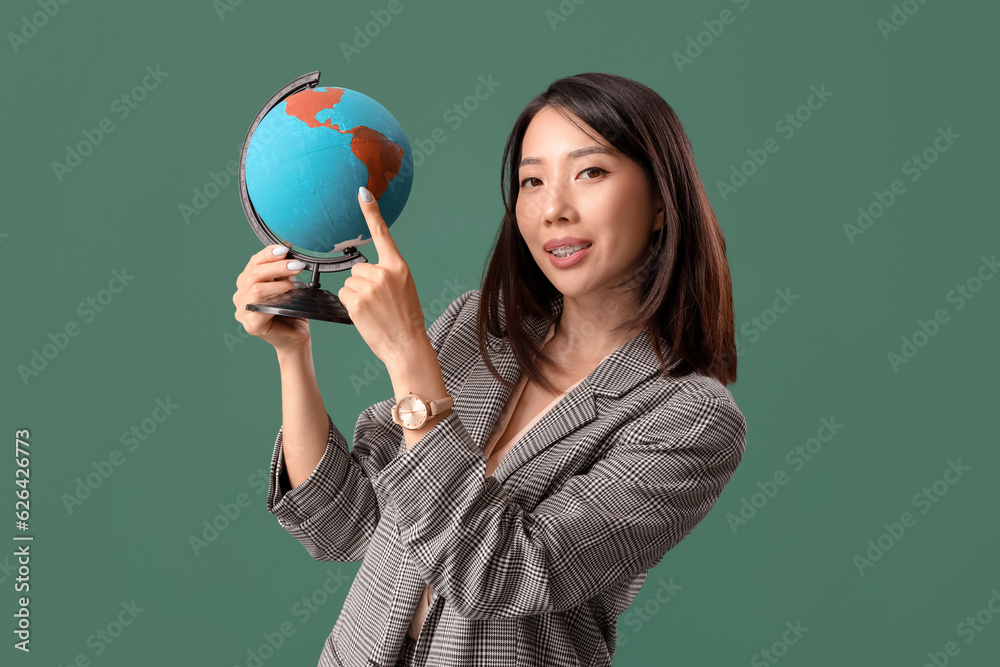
(384, 244)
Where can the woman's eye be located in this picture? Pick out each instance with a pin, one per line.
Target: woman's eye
(588, 169)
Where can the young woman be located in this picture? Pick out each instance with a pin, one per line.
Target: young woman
(553, 434)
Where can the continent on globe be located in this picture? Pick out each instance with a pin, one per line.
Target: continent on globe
(309, 155)
(382, 156)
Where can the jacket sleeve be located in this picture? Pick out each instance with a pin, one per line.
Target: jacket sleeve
(491, 558)
(335, 511)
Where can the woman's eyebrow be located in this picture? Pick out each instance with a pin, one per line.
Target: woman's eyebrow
(579, 152)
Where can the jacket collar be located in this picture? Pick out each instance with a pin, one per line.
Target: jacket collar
(482, 398)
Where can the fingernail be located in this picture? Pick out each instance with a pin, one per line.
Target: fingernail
(296, 265)
(280, 250)
(366, 196)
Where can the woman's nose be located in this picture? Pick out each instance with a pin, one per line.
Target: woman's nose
(557, 204)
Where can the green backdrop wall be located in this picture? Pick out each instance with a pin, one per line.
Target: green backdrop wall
(849, 150)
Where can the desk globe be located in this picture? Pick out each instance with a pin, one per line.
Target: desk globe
(305, 156)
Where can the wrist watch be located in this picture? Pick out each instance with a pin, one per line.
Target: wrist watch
(412, 411)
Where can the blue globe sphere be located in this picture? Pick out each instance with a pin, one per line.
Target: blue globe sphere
(309, 155)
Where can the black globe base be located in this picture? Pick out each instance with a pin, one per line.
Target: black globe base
(311, 303)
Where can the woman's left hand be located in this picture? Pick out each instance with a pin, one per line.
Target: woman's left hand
(381, 298)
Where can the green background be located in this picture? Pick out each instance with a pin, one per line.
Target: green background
(171, 334)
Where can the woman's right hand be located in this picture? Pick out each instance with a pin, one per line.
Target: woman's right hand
(267, 274)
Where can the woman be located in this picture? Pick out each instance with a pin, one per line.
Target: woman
(584, 425)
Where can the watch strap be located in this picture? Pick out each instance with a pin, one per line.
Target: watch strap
(440, 406)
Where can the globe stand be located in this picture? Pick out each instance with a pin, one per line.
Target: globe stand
(305, 300)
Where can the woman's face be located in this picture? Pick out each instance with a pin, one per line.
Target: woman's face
(602, 198)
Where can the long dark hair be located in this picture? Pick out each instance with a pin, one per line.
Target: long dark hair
(685, 293)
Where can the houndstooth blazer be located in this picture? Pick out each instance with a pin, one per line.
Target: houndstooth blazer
(531, 566)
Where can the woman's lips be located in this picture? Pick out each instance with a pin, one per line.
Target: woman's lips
(575, 258)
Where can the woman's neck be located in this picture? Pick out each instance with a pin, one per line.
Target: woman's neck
(584, 333)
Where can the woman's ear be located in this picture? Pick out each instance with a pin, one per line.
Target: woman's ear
(659, 220)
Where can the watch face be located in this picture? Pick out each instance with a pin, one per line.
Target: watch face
(412, 411)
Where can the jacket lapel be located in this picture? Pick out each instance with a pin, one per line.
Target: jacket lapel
(482, 397)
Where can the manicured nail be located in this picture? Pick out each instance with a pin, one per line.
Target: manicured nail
(296, 265)
(366, 196)
(280, 250)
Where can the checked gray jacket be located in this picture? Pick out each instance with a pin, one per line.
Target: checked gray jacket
(531, 566)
